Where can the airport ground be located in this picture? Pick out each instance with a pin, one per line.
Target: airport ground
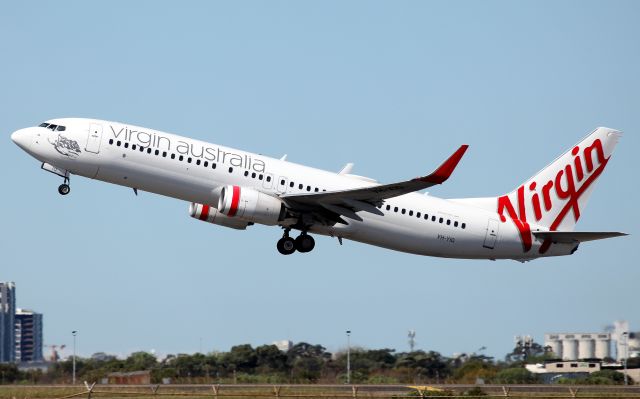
(309, 391)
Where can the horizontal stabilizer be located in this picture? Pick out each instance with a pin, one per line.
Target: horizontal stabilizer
(569, 237)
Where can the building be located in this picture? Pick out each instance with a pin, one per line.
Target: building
(283, 345)
(130, 378)
(28, 333)
(550, 372)
(575, 346)
(7, 322)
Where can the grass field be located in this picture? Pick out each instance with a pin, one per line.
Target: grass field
(314, 391)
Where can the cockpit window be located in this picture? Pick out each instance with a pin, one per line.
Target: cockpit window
(53, 127)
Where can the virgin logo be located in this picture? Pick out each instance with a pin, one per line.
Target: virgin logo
(557, 197)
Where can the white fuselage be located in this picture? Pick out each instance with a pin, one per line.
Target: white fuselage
(193, 170)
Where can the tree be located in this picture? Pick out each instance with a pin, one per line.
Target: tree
(514, 375)
(140, 361)
(270, 359)
(241, 358)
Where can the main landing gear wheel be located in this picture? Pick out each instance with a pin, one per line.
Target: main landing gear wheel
(305, 243)
(64, 189)
(286, 245)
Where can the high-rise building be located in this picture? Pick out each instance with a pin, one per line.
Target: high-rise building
(7, 322)
(28, 336)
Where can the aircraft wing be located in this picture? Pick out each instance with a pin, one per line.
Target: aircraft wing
(569, 237)
(348, 202)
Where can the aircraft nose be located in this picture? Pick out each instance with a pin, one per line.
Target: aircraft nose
(20, 138)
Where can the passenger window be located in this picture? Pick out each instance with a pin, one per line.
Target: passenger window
(246, 173)
(133, 146)
(180, 158)
(118, 143)
(441, 220)
(173, 156)
(198, 162)
(282, 182)
(395, 209)
(141, 149)
(388, 207)
(410, 213)
(300, 186)
(448, 222)
(290, 183)
(403, 211)
(253, 175)
(464, 225)
(308, 188)
(433, 218)
(213, 165)
(260, 177)
(269, 178)
(316, 189)
(418, 215)
(126, 145)
(455, 224)
(426, 216)
(164, 154)
(189, 160)
(110, 140)
(206, 164)
(148, 150)
(230, 169)
(157, 152)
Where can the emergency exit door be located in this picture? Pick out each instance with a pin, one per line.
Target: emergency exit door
(94, 138)
(492, 234)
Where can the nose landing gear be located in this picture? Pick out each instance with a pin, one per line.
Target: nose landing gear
(303, 243)
(64, 188)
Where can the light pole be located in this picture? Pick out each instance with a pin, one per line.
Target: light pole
(625, 336)
(74, 333)
(348, 356)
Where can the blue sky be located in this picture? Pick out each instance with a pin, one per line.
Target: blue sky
(393, 87)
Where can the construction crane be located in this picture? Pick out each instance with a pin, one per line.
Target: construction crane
(55, 356)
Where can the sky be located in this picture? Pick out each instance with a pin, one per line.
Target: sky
(394, 87)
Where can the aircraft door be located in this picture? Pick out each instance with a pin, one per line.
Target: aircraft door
(94, 138)
(492, 234)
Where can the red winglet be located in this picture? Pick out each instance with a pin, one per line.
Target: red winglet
(446, 169)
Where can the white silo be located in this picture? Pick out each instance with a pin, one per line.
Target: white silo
(603, 346)
(554, 343)
(586, 347)
(569, 347)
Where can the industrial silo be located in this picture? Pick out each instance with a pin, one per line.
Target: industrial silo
(586, 347)
(603, 346)
(569, 347)
(555, 344)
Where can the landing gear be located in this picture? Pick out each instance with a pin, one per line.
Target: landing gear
(305, 243)
(64, 189)
(287, 245)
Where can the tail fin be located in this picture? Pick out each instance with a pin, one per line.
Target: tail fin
(555, 197)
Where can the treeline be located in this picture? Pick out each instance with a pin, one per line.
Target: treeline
(303, 363)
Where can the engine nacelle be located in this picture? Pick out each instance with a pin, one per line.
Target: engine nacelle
(212, 215)
(250, 205)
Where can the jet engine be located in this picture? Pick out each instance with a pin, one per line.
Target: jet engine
(250, 205)
(212, 215)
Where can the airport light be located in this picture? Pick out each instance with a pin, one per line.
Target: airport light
(74, 333)
(348, 356)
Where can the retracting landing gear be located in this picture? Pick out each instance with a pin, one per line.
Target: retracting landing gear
(303, 243)
(64, 188)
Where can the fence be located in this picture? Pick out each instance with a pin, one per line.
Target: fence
(94, 391)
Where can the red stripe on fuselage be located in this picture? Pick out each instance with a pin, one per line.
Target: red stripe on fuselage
(235, 200)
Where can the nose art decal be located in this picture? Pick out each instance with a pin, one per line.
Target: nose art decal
(66, 147)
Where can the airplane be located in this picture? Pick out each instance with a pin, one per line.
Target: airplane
(236, 189)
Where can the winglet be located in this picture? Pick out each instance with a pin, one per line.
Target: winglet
(445, 170)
